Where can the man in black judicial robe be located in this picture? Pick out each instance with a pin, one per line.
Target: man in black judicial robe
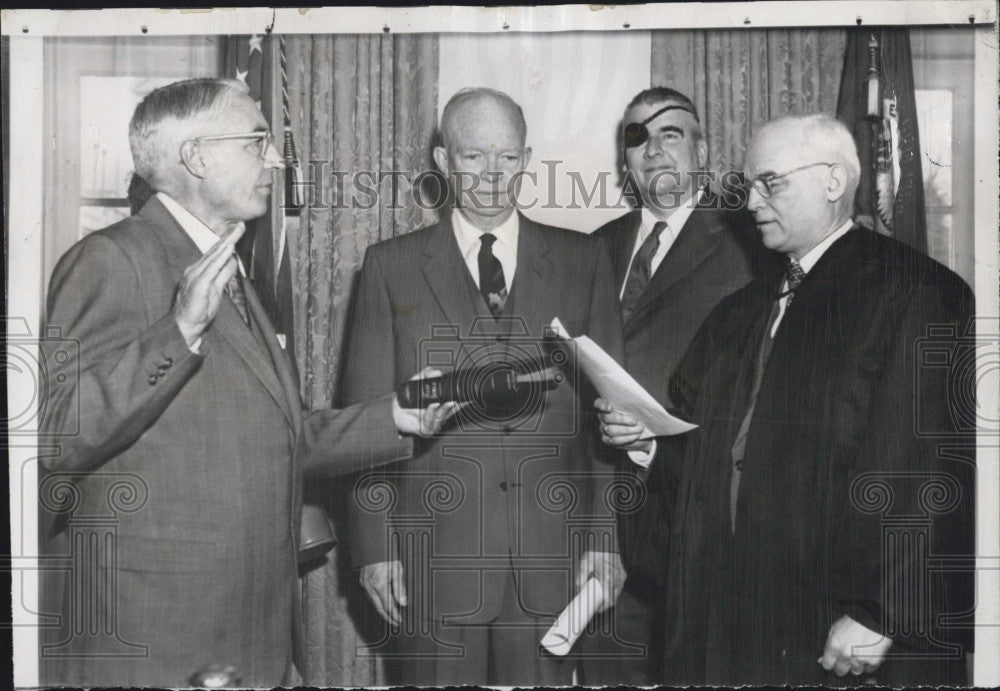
(832, 474)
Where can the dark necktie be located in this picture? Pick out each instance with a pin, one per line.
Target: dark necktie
(234, 289)
(640, 270)
(491, 281)
(793, 276)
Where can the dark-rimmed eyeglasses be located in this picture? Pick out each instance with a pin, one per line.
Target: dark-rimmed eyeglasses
(765, 184)
(264, 138)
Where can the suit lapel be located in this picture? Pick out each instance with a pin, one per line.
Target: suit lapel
(534, 266)
(280, 359)
(694, 244)
(180, 252)
(622, 242)
(448, 276)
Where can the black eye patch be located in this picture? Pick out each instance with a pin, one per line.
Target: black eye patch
(636, 133)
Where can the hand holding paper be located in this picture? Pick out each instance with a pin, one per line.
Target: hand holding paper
(620, 390)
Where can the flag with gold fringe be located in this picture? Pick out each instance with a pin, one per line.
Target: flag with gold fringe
(877, 104)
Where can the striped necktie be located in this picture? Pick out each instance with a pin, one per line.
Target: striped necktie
(640, 270)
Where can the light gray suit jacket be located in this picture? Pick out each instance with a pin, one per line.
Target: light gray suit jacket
(195, 459)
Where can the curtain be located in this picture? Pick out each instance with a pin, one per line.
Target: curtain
(360, 105)
(740, 79)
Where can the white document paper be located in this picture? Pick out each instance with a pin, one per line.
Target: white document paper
(559, 639)
(617, 387)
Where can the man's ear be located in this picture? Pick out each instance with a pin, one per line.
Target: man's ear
(192, 160)
(836, 182)
(441, 159)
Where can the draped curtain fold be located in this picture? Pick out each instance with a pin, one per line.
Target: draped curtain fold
(740, 79)
(363, 111)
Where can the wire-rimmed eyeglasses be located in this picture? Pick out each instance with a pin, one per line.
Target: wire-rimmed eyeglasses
(765, 184)
(264, 137)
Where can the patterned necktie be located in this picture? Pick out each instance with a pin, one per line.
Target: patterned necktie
(234, 289)
(793, 277)
(491, 281)
(639, 272)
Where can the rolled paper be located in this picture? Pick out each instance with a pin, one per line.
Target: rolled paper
(559, 639)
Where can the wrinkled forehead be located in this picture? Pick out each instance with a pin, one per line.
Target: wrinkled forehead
(678, 115)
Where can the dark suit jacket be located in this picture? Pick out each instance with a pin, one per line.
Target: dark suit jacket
(847, 438)
(483, 492)
(197, 460)
(714, 255)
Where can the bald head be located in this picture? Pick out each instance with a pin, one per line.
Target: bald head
(815, 137)
(477, 105)
(805, 172)
(484, 154)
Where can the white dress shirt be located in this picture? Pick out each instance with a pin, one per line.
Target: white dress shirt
(807, 262)
(675, 222)
(201, 235)
(504, 249)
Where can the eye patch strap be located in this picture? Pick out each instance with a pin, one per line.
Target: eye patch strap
(636, 133)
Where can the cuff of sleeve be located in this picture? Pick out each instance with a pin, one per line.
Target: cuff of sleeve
(865, 613)
(643, 458)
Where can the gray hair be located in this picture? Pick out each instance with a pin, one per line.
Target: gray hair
(152, 143)
(825, 137)
(466, 95)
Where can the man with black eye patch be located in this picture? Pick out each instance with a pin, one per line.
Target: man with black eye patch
(675, 257)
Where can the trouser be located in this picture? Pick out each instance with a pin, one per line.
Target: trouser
(504, 652)
(620, 646)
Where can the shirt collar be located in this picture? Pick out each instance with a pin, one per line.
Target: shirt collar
(201, 235)
(675, 221)
(468, 234)
(810, 258)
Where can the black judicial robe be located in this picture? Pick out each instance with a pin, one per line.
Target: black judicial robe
(858, 473)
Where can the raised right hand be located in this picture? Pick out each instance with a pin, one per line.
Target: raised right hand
(384, 584)
(200, 292)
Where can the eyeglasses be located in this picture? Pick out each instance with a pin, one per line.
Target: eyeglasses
(264, 137)
(765, 184)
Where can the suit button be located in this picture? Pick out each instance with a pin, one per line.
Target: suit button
(503, 486)
(168, 361)
(739, 466)
(152, 379)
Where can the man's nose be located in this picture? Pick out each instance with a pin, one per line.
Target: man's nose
(272, 159)
(494, 173)
(755, 200)
(653, 148)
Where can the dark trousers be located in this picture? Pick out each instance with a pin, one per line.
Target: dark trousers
(620, 646)
(504, 652)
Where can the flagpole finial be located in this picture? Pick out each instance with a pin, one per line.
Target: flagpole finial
(874, 109)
